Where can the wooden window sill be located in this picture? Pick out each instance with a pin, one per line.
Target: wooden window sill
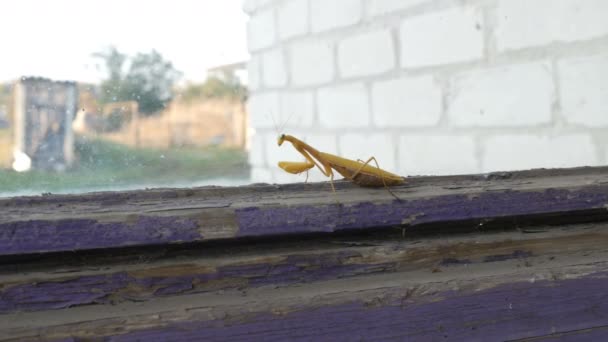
(502, 256)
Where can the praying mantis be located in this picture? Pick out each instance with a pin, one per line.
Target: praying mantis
(359, 172)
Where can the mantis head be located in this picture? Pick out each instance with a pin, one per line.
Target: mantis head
(281, 139)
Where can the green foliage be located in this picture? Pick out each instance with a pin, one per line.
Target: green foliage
(104, 165)
(146, 78)
(214, 88)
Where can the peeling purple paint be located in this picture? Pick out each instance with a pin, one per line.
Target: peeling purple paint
(60, 294)
(454, 261)
(79, 234)
(518, 254)
(506, 312)
(335, 217)
(86, 290)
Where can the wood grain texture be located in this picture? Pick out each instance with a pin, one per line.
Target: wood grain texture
(215, 264)
(58, 223)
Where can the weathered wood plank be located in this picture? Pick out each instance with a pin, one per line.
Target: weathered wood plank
(105, 284)
(434, 306)
(505, 312)
(58, 223)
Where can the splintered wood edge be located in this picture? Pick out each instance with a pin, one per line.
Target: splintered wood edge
(57, 223)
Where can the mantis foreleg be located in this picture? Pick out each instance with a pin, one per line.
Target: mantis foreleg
(299, 167)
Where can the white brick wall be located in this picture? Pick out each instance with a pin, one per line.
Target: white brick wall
(379, 7)
(343, 106)
(254, 72)
(262, 109)
(406, 102)
(261, 30)
(366, 54)
(297, 109)
(429, 86)
(261, 175)
(437, 154)
(327, 15)
(514, 152)
(515, 95)
(293, 18)
(275, 73)
(525, 23)
(584, 90)
(444, 37)
(363, 146)
(312, 62)
(257, 155)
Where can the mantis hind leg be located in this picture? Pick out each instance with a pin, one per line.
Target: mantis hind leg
(381, 176)
(331, 181)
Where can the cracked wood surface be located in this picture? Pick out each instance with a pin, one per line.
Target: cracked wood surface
(56, 223)
(491, 286)
(508, 256)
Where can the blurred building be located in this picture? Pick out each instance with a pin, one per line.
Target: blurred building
(37, 130)
(233, 73)
(195, 123)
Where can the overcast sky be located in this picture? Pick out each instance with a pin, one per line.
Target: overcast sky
(55, 39)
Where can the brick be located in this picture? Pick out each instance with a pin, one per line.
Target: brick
(343, 106)
(326, 15)
(379, 7)
(274, 69)
(406, 102)
(517, 95)
(366, 54)
(584, 90)
(256, 152)
(262, 107)
(323, 142)
(363, 146)
(261, 30)
(312, 63)
(297, 109)
(436, 155)
(514, 152)
(254, 73)
(444, 37)
(293, 18)
(524, 23)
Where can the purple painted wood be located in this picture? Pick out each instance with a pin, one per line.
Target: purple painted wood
(108, 220)
(39, 236)
(512, 311)
(116, 287)
(257, 221)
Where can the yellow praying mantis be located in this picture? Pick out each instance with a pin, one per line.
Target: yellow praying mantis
(359, 172)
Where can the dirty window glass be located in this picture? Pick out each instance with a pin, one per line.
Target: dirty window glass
(114, 95)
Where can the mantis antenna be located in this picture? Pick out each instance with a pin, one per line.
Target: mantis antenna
(285, 123)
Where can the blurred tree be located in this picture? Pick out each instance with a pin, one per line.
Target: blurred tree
(146, 78)
(214, 87)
